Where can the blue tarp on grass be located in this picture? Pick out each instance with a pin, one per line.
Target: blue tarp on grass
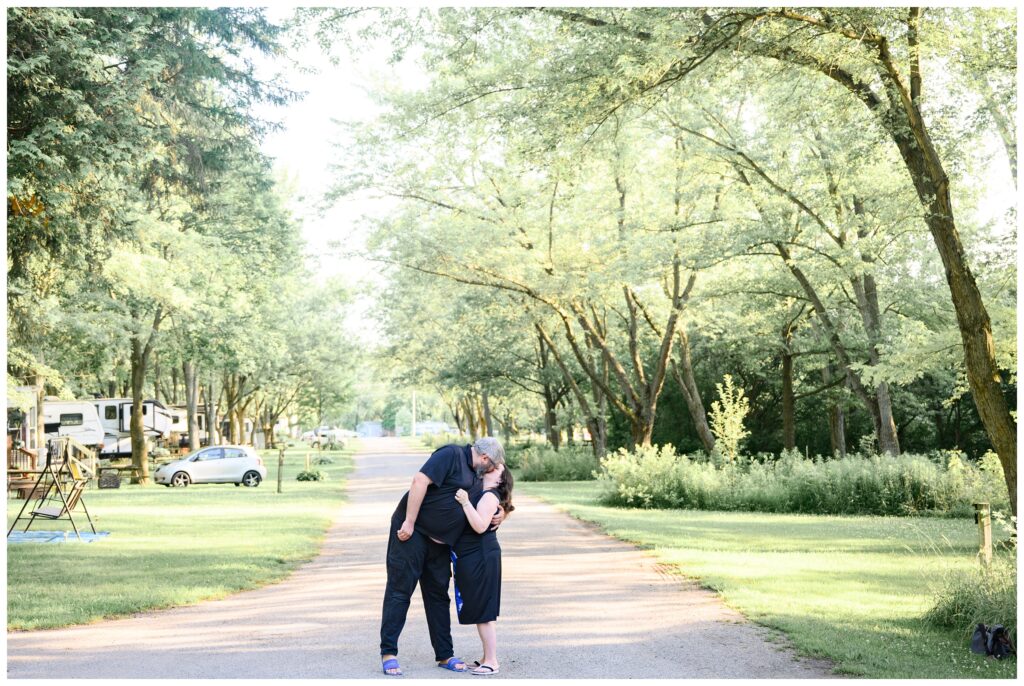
(54, 537)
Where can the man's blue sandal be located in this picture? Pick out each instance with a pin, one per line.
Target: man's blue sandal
(391, 664)
(452, 665)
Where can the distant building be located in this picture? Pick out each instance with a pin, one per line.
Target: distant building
(431, 428)
(370, 429)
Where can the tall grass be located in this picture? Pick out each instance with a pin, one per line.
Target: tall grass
(658, 477)
(985, 595)
(543, 463)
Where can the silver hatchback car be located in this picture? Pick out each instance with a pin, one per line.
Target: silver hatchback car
(219, 464)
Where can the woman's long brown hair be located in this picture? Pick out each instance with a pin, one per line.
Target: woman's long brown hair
(504, 490)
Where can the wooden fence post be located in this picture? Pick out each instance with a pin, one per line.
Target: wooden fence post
(983, 516)
(280, 466)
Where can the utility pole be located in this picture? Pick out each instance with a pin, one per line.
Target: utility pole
(413, 431)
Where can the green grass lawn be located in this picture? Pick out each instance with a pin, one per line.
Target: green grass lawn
(173, 546)
(849, 589)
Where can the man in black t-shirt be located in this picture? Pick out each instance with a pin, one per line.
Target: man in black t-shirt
(426, 523)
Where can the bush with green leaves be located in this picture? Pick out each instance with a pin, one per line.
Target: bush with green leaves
(658, 477)
(543, 463)
(311, 475)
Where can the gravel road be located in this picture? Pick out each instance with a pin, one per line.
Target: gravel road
(577, 604)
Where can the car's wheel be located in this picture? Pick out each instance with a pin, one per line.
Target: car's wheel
(252, 479)
(180, 479)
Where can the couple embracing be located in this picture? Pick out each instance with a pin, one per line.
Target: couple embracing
(447, 520)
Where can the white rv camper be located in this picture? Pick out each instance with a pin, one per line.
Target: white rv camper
(75, 418)
(116, 415)
(180, 425)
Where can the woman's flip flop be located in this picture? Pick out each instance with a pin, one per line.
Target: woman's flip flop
(479, 671)
(453, 664)
(391, 664)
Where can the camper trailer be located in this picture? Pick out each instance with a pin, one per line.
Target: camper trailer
(75, 418)
(180, 424)
(116, 415)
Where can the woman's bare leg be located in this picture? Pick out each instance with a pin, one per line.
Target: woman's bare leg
(488, 636)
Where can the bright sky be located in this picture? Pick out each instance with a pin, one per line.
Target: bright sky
(310, 140)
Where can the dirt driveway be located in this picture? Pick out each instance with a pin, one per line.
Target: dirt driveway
(577, 604)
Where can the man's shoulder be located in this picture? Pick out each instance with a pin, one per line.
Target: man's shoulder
(443, 458)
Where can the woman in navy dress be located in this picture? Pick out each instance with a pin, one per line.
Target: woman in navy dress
(477, 557)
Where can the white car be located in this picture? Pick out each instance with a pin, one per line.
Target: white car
(219, 464)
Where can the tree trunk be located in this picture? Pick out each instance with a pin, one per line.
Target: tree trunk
(788, 400)
(212, 426)
(1005, 127)
(174, 385)
(488, 422)
(458, 417)
(551, 419)
(268, 430)
(870, 400)
(191, 403)
(594, 413)
(157, 391)
(550, 398)
(506, 429)
(238, 426)
(226, 388)
(836, 419)
(140, 353)
(570, 426)
(598, 437)
(837, 430)
(40, 427)
(683, 373)
(983, 373)
(140, 453)
(467, 407)
(867, 303)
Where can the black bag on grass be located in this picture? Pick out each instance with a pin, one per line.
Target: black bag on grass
(994, 641)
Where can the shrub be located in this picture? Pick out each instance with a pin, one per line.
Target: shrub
(323, 460)
(514, 456)
(311, 475)
(726, 417)
(543, 463)
(967, 597)
(881, 484)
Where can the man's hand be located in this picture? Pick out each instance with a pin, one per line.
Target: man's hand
(405, 533)
(497, 519)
